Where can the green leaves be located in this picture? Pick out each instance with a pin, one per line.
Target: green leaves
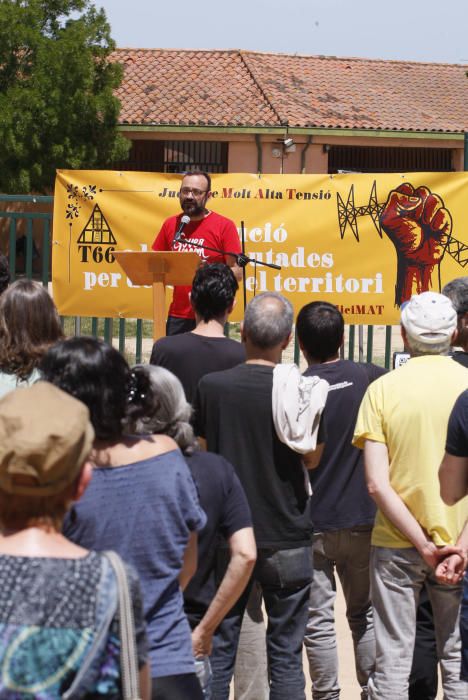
(57, 104)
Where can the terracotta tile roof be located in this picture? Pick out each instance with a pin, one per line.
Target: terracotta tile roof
(246, 88)
(198, 88)
(363, 94)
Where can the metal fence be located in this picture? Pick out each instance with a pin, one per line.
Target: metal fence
(26, 235)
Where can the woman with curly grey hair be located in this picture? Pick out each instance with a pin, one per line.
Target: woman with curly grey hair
(228, 533)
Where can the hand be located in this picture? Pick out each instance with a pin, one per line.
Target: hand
(431, 554)
(419, 226)
(452, 567)
(202, 642)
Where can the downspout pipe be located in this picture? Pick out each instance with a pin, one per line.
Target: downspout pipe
(258, 142)
(304, 151)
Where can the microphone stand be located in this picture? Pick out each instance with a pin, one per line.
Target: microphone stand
(241, 259)
(244, 280)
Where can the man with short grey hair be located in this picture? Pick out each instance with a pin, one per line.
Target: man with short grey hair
(457, 292)
(234, 416)
(268, 320)
(401, 426)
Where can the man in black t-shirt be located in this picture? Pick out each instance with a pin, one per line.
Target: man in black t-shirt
(457, 292)
(205, 349)
(342, 511)
(453, 475)
(234, 417)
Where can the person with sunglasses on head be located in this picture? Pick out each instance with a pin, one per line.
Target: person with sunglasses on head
(205, 228)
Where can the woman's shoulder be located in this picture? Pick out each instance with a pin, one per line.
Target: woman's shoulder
(147, 446)
(132, 449)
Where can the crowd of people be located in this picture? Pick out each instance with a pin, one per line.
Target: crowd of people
(229, 484)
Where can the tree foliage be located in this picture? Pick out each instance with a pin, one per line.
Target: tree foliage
(57, 107)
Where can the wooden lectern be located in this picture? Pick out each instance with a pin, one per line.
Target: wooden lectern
(158, 269)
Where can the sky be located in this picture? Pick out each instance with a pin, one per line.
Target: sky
(407, 31)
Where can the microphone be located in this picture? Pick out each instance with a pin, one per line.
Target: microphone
(180, 231)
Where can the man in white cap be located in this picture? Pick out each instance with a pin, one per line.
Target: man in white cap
(401, 426)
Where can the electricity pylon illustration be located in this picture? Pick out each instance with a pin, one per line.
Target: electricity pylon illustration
(97, 230)
(348, 214)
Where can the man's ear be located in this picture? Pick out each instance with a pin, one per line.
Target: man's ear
(285, 342)
(190, 300)
(242, 332)
(403, 335)
(454, 338)
(208, 197)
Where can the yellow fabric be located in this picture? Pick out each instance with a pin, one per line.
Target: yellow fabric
(98, 213)
(408, 410)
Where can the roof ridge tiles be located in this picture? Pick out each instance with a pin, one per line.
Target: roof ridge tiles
(360, 59)
(243, 52)
(173, 50)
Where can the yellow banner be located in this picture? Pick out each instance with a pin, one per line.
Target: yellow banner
(362, 242)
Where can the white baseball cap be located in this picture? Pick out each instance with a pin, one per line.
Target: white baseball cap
(429, 317)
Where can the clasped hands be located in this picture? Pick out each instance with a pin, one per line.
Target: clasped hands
(449, 562)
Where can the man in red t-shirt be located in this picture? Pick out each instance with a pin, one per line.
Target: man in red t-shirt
(205, 228)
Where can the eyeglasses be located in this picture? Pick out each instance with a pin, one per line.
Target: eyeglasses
(192, 190)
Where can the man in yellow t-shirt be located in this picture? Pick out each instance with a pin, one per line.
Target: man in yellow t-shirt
(401, 426)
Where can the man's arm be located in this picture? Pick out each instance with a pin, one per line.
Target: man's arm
(312, 459)
(453, 477)
(243, 557)
(377, 468)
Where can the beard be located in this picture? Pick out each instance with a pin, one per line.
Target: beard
(192, 208)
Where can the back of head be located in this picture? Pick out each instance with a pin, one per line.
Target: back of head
(430, 321)
(99, 376)
(29, 324)
(320, 329)
(45, 439)
(457, 292)
(268, 320)
(214, 289)
(168, 412)
(4, 273)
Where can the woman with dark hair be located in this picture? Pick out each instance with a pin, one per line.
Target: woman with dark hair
(29, 325)
(141, 501)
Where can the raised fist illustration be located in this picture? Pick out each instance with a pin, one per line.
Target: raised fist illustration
(419, 226)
